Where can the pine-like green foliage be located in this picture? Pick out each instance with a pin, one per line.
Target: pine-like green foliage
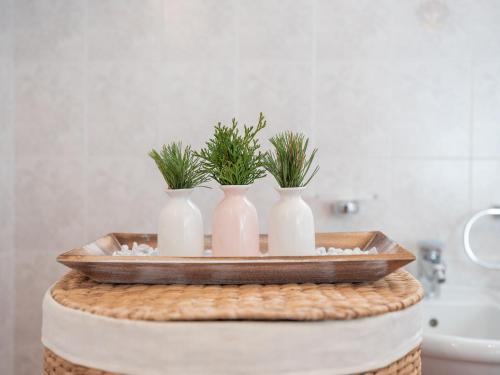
(232, 158)
(180, 167)
(289, 163)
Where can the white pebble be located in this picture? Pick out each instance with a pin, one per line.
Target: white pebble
(137, 250)
(338, 251)
(146, 250)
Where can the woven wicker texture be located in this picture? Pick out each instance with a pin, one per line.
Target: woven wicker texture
(397, 291)
(410, 364)
(55, 365)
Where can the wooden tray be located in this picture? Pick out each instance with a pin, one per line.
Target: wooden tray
(95, 260)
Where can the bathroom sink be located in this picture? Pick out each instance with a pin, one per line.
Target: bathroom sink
(462, 332)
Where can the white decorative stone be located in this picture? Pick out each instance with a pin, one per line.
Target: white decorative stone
(137, 250)
(338, 251)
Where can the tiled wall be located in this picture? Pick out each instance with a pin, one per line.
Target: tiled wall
(401, 97)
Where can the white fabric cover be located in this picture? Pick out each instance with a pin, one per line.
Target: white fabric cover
(229, 347)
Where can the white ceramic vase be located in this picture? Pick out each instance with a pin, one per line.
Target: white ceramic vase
(235, 224)
(291, 225)
(180, 228)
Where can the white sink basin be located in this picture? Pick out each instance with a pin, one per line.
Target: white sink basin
(462, 333)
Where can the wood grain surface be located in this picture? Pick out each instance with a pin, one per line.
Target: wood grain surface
(96, 261)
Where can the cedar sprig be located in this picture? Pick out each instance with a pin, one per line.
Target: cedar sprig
(288, 162)
(232, 158)
(180, 167)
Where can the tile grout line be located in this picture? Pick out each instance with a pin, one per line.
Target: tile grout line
(471, 135)
(313, 83)
(314, 50)
(236, 73)
(85, 125)
(12, 255)
(163, 60)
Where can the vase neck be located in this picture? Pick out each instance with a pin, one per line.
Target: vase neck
(179, 193)
(235, 190)
(288, 193)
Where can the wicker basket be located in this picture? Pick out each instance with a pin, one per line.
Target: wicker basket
(299, 302)
(54, 365)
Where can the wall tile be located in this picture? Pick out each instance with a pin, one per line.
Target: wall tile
(6, 265)
(49, 111)
(431, 29)
(445, 29)
(483, 27)
(195, 97)
(35, 272)
(7, 308)
(407, 30)
(49, 29)
(7, 206)
(6, 109)
(431, 114)
(29, 358)
(429, 200)
(463, 272)
(281, 91)
(263, 196)
(351, 178)
(200, 30)
(353, 108)
(125, 194)
(125, 29)
(5, 28)
(486, 101)
(264, 36)
(7, 291)
(50, 204)
(485, 183)
(354, 29)
(124, 107)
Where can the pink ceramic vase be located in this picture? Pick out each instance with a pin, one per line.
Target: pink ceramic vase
(235, 224)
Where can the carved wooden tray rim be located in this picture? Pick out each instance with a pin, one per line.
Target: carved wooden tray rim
(391, 256)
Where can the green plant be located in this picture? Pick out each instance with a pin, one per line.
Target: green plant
(232, 158)
(289, 163)
(180, 167)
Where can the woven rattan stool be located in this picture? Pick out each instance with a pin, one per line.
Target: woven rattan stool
(53, 364)
(271, 325)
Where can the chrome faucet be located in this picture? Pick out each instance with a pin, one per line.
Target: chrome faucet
(431, 268)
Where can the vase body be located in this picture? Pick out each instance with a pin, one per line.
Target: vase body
(235, 224)
(291, 225)
(180, 228)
